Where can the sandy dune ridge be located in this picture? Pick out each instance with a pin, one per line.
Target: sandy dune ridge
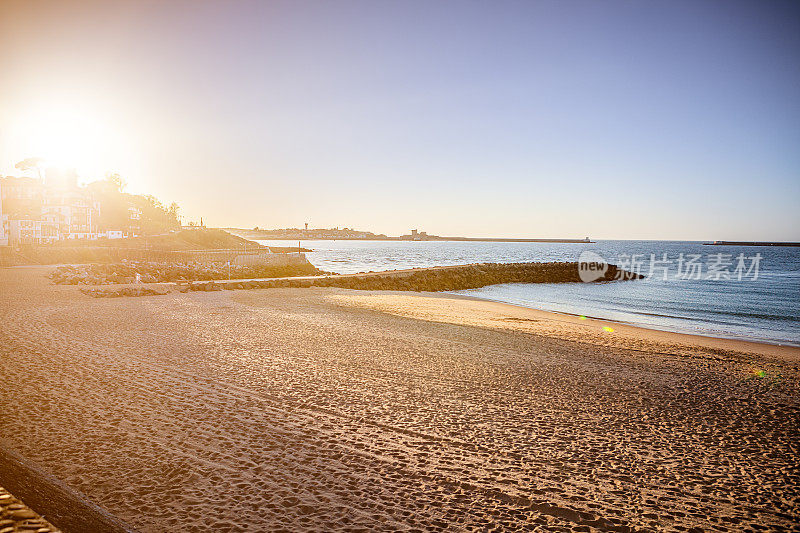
(325, 409)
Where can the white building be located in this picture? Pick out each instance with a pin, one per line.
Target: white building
(32, 232)
(3, 221)
(76, 213)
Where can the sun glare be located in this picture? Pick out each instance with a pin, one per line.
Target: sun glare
(67, 136)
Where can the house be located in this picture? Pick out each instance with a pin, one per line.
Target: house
(134, 221)
(25, 231)
(32, 212)
(21, 197)
(113, 234)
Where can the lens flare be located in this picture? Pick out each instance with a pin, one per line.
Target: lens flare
(608, 329)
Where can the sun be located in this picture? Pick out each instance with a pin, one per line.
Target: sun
(70, 136)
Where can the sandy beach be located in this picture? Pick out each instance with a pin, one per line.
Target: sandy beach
(333, 409)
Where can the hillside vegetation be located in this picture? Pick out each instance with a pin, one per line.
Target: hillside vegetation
(103, 250)
(193, 239)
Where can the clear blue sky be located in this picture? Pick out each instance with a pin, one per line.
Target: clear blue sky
(663, 120)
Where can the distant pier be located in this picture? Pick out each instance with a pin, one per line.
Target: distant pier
(750, 243)
(497, 239)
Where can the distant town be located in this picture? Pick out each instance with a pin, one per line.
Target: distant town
(47, 206)
(306, 233)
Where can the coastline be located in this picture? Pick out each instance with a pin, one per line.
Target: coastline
(712, 341)
(765, 308)
(565, 326)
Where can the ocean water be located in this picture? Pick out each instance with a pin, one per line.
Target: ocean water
(746, 292)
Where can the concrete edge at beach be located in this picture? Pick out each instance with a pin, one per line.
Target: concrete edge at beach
(40, 497)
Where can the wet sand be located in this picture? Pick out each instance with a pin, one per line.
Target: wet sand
(331, 409)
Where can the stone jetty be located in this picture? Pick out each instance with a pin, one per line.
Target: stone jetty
(449, 278)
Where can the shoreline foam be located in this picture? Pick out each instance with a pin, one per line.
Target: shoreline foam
(747, 342)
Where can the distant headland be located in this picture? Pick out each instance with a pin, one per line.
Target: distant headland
(350, 234)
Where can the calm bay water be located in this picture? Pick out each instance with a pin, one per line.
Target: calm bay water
(739, 294)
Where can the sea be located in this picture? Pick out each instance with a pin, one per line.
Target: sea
(741, 292)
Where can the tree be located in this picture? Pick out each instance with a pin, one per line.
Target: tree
(174, 211)
(29, 164)
(116, 181)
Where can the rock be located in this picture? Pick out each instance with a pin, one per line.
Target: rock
(31, 525)
(22, 514)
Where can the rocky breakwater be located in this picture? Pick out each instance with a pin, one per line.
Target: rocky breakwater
(470, 277)
(128, 272)
(433, 279)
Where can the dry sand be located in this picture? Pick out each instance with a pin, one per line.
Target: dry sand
(329, 409)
